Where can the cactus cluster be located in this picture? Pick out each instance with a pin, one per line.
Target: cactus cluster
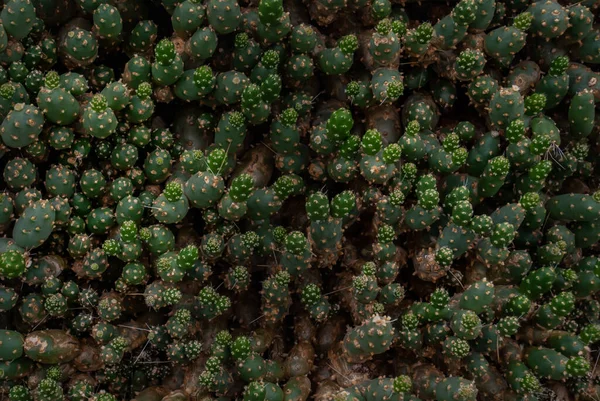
(329, 200)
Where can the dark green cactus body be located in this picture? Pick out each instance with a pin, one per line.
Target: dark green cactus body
(504, 42)
(18, 18)
(550, 19)
(224, 15)
(22, 126)
(574, 207)
(547, 363)
(35, 225)
(582, 114)
(505, 106)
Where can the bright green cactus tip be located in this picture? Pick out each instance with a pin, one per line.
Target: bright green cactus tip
(397, 197)
(577, 366)
(394, 89)
(402, 384)
(429, 199)
(348, 44)
(216, 160)
(372, 142)
(456, 347)
(165, 52)
(99, 103)
(562, 304)
(535, 103)
(7, 90)
(203, 77)
(19, 393)
(530, 200)
(296, 243)
(590, 333)
(255, 391)
(503, 234)
(241, 40)
(559, 66)
(311, 295)
(128, 231)
(49, 390)
(451, 142)
(270, 59)
(144, 90)
(173, 191)
(515, 131)
(424, 33)
(508, 326)
(105, 397)
(241, 187)
(530, 383)
(464, 12)
(240, 348)
(52, 80)
(352, 89)
(499, 166)
(523, 21)
(399, 27)
(469, 64)
(392, 153)
(111, 247)
(12, 264)
(251, 239)
(439, 298)
(444, 256)
(289, 117)
(410, 321)
(339, 124)
(384, 27)
(279, 234)
(342, 204)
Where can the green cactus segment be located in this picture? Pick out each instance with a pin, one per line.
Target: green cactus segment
(338, 60)
(547, 363)
(79, 48)
(505, 106)
(417, 40)
(550, 19)
(22, 126)
(469, 64)
(11, 345)
(168, 67)
(574, 207)
(503, 43)
(98, 119)
(478, 296)
(58, 105)
(224, 16)
(35, 225)
(51, 346)
(538, 282)
(582, 113)
(521, 379)
(371, 338)
(18, 18)
(108, 23)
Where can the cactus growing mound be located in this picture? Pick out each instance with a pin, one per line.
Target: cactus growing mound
(285, 201)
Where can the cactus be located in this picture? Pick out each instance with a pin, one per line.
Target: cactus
(247, 199)
(372, 337)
